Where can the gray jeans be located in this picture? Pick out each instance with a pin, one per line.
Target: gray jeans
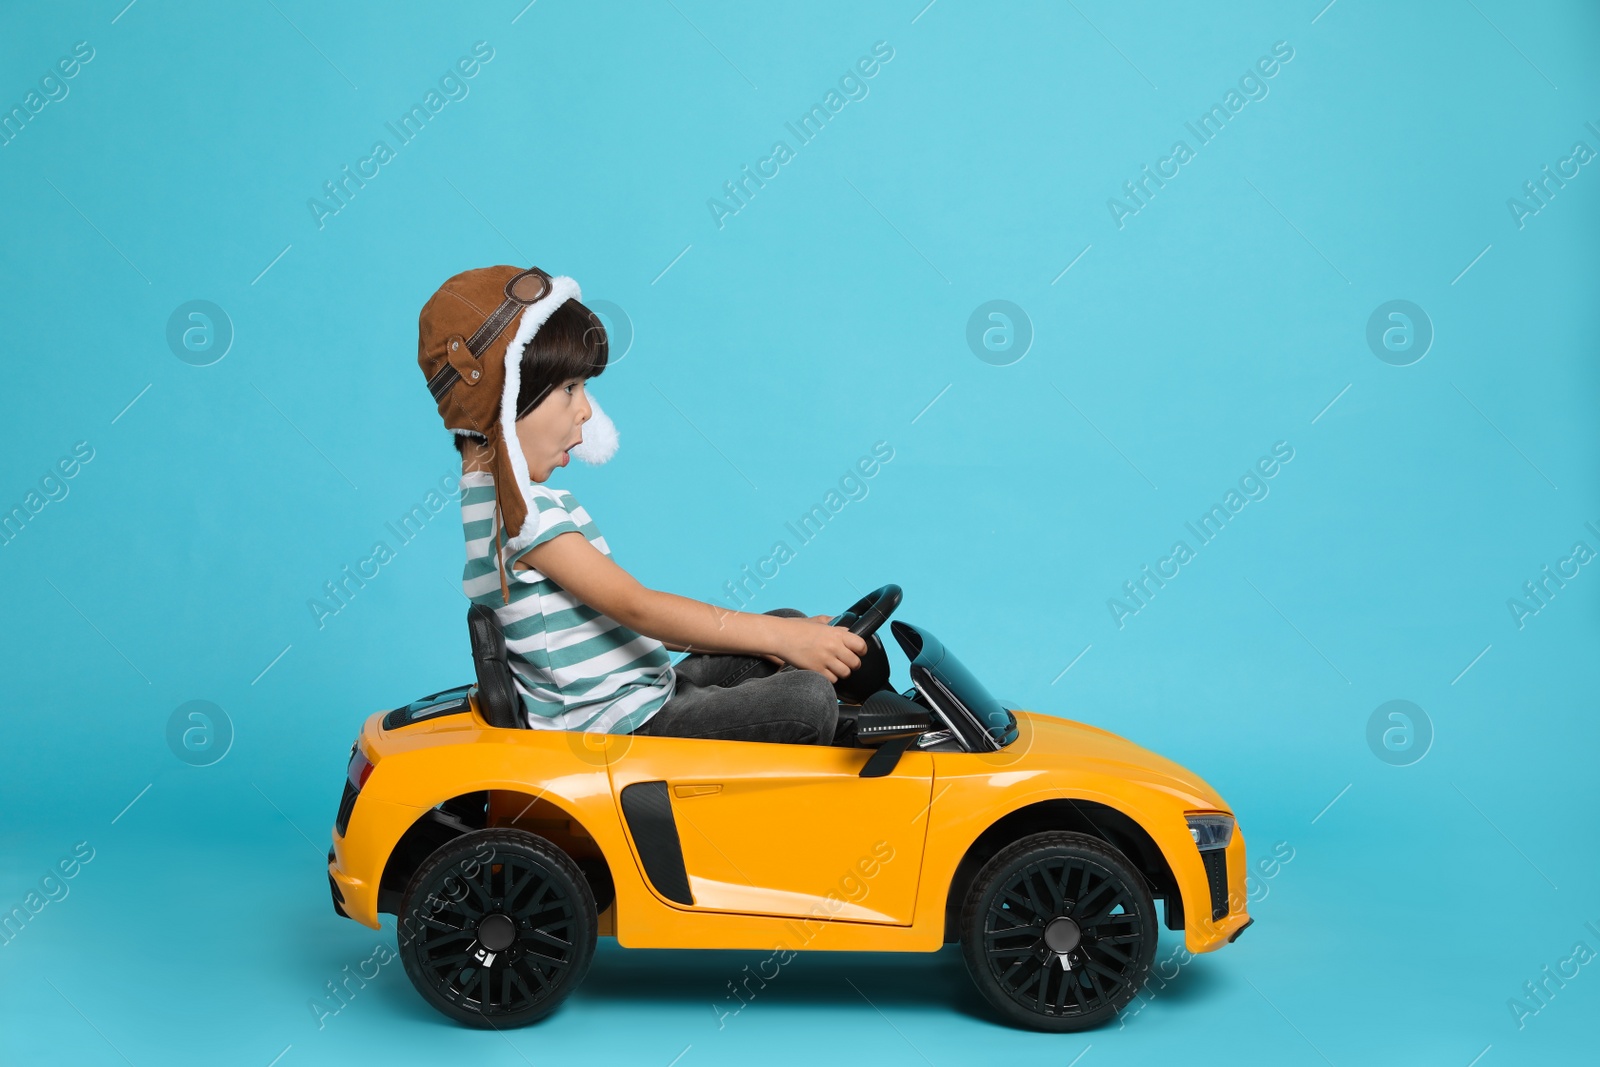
(735, 697)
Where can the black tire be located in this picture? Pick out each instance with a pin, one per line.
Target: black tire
(1098, 913)
(496, 928)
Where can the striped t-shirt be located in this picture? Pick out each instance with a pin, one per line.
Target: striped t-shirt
(574, 668)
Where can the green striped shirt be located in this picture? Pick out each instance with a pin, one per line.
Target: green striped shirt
(574, 668)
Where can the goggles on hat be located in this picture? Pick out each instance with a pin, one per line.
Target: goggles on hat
(529, 287)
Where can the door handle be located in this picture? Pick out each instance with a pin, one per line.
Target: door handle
(697, 789)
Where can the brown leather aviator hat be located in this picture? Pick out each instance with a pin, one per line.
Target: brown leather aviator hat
(470, 338)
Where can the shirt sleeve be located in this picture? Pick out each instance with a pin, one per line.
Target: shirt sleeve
(551, 519)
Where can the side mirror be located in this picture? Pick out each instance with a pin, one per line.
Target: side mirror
(892, 722)
(887, 756)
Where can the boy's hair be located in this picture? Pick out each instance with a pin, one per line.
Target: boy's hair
(571, 344)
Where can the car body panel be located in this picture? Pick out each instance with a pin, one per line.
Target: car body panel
(1057, 759)
(418, 767)
(794, 850)
(789, 830)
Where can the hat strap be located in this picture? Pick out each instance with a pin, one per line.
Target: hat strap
(499, 553)
(448, 375)
(496, 322)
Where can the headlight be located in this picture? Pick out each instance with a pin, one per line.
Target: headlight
(1210, 831)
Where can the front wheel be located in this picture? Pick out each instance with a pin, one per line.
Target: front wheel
(497, 927)
(1058, 931)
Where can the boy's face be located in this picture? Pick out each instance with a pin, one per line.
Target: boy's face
(548, 432)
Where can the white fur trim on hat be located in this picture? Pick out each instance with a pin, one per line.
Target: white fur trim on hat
(599, 436)
(533, 316)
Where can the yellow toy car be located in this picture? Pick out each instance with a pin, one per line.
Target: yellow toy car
(937, 815)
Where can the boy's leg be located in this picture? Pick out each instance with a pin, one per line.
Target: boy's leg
(726, 668)
(796, 707)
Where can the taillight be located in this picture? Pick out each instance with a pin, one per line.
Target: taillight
(360, 768)
(356, 777)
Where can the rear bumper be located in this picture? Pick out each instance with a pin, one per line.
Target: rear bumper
(333, 888)
(356, 860)
(353, 898)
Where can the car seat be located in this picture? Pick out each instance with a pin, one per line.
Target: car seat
(498, 701)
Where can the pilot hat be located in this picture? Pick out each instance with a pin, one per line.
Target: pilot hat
(470, 339)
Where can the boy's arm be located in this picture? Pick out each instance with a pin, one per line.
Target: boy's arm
(674, 647)
(689, 625)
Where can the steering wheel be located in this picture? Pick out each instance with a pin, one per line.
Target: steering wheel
(870, 612)
(863, 618)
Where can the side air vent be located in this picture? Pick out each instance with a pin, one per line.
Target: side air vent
(648, 809)
(1216, 861)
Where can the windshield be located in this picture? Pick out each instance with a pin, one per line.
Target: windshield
(952, 676)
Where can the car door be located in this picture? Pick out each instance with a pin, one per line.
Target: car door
(768, 829)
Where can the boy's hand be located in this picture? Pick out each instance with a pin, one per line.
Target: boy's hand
(812, 645)
(779, 660)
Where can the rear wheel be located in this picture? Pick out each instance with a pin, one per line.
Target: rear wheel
(497, 927)
(1058, 931)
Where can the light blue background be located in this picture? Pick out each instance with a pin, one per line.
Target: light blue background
(828, 314)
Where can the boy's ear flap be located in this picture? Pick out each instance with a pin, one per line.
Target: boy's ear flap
(505, 461)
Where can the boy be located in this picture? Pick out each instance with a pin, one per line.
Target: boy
(506, 354)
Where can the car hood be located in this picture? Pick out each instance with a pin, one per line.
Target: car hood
(1054, 743)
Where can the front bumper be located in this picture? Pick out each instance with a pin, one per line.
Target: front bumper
(1215, 902)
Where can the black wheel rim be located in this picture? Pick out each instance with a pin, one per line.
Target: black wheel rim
(472, 901)
(1102, 969)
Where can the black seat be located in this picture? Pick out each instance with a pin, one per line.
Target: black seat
(497, 692)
